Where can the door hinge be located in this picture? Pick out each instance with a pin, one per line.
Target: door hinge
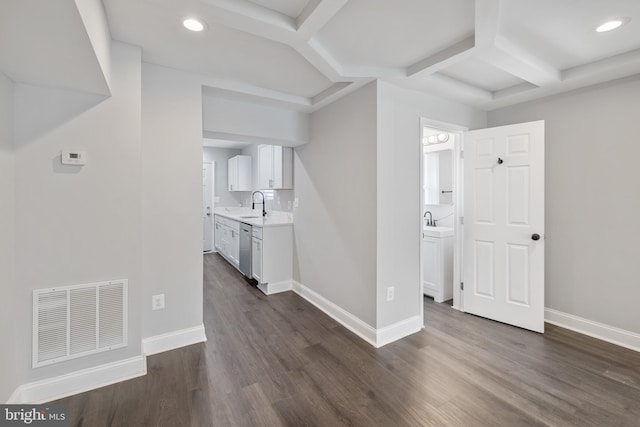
(462, 154)
(462, 286)
(461, 220)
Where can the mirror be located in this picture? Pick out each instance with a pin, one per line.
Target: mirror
(438, 177)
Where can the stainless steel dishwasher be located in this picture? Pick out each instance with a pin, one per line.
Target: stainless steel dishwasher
(245, 249)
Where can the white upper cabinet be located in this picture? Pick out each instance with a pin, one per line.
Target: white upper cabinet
(275, 167)
(239, 173)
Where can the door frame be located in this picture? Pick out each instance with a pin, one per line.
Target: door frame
(458, 148)
(212, 183)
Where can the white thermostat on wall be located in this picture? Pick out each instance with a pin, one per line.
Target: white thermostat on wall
(73, 157)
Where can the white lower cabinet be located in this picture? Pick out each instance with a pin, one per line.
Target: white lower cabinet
(437, 266)
(227, 240)
(272, 258)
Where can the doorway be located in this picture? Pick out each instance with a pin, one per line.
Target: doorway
(441, 210)
(208, 186)
(489, 227)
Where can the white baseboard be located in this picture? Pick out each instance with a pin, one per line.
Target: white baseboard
(346, 319)
(601, 331)
(79, 381)
(103, 375)
(173, 340)
(399, 330)
(375, 337)
(275, 288)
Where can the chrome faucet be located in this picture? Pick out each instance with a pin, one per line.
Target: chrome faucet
(430, 222)
(253, 202)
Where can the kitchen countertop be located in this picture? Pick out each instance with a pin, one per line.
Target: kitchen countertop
(255, 218)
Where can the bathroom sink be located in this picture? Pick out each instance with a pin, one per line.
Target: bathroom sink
(437, 231)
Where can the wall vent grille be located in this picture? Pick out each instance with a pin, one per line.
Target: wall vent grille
(75, 321)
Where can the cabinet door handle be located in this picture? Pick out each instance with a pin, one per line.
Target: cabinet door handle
(230, 187)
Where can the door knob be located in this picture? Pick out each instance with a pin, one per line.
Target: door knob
(535, 236)
(500, 161)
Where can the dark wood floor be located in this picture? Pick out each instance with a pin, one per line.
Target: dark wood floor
(277, 360)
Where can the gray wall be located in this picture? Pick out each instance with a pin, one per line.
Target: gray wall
(399, 214)
(256, 123)
(171, 198)
(77, 224)
(7, 241)
(335, 223)
(592, 201)
(220, 157)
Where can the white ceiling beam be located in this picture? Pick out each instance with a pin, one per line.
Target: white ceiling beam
(503, 53)
(514, 90)
(448, 87)
(231, 89)
(253, 139)
(353, 72)
(520, 62)
(253, 19)
(598, 72)
(339, 90)
(614, 67)
(445, 58)
(314, 52)
(316, 15)
(487, 21)
(330, 91)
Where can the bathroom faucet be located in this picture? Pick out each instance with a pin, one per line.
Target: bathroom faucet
(430, 222)
(253, 202)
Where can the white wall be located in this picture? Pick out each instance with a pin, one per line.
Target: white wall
(78, 224)
(591, 199)
(7, 241)
(399, 214)
(245, 121)
(220, 157)
(171, 198)
(335, 223)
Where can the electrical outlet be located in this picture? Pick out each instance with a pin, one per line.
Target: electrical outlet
(390, 293)
(157, 302)
(289, 205)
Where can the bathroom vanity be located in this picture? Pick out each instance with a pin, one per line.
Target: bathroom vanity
(437, 262)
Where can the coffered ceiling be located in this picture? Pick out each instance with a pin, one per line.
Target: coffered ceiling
(306, 53)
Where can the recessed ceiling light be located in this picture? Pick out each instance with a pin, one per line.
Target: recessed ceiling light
(612, 24)
(193, 24)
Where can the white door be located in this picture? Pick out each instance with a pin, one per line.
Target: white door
(503, 248)
(207, 207)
